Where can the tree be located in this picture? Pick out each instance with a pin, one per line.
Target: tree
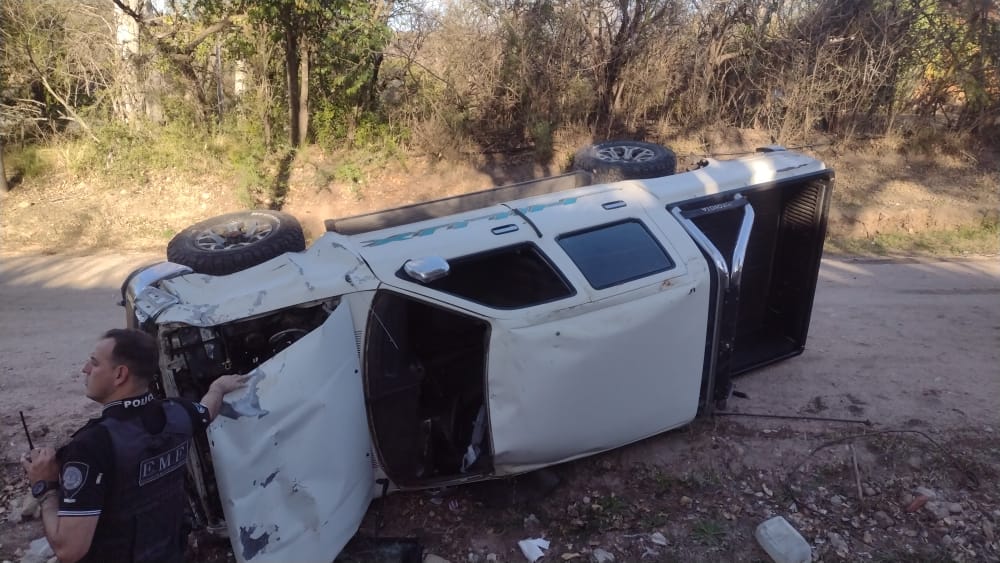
(3, 172)
(127, 35)
(308, 30)
(620, 35)
(175, 39)
(43, 42)
(301, 28)
(4, 188)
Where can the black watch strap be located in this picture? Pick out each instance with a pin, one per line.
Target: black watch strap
(39, 488)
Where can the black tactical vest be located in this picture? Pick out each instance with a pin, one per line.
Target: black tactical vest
(142, 514)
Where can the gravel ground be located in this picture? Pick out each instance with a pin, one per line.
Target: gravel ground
(909, 346)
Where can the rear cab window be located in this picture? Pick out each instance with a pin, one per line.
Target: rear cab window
(616, 253)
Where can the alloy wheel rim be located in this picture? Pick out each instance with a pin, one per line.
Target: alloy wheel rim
(625, 153)
(233, 234)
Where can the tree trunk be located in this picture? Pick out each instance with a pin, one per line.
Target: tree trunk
(239, 77)
(127, 36)
(3, 172)
(62, 101)
(608, 86)
(294, 88)
(976, 105)
(219, 91)
(303, 110)
(371, 88)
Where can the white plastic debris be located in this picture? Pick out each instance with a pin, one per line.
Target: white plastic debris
(533, 548)
(658, 538)
(783, 542)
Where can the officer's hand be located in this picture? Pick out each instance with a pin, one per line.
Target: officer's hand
(226, 383)
(41, 465)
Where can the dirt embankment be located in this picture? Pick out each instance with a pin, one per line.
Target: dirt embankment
(885, 198)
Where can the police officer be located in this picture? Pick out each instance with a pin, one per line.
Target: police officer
(116, 491)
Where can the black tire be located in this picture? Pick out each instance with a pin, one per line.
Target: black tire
(235, 241)
(612, 161)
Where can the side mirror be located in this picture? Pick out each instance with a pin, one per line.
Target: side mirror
(426, 270)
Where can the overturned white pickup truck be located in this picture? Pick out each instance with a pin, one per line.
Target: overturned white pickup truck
(477, 336)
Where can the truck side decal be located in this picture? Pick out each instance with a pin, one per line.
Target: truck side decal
(465, 222)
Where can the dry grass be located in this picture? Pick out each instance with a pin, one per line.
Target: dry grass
(892, 196)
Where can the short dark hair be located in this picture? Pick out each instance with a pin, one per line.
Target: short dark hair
(136, 350)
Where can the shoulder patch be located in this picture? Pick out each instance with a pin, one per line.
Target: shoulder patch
(74, 477)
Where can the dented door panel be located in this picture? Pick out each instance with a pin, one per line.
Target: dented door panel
(292, 453)
(618, 371)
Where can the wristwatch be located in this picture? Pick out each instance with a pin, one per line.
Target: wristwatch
(42, 487)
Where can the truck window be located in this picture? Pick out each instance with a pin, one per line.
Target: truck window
(504, 278)
(614, 254)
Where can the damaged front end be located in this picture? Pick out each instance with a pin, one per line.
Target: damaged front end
(192, 357)
(291, 454)
(286, 468)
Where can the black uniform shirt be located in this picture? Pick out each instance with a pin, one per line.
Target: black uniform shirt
(88, 460)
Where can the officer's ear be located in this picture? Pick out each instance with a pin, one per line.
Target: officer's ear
(121, 374)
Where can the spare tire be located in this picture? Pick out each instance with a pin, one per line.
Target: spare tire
(235, 241)
(612, 161)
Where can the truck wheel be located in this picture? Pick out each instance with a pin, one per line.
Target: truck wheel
(235, 241)
(612, 161)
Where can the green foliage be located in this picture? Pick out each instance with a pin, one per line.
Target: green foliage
(340, 40)
(337, 129)
(26, 161)
(344, 37)
(709, 532)
(981, 239)
(347, 54)
(488, 75)
(241, 145)
(131, 153)
(349, 172)
(614, 505)
(665, 482)
(330, 126)
(247, 163)
(541, 134)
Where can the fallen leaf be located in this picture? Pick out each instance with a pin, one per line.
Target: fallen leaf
(917, 503)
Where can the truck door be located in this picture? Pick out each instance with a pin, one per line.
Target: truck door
(292, 453)
(625, 364)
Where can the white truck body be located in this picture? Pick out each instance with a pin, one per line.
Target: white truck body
(575, 319)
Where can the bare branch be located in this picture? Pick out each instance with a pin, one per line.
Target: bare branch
(48, 88)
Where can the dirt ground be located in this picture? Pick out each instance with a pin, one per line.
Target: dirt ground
(910, 346)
